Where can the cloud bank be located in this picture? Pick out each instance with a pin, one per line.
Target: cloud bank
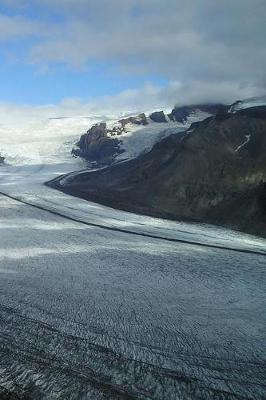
(132, 101)
(215, 49)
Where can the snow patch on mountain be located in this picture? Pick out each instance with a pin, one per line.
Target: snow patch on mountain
(141, 139)
(243, 144)
(247, 103)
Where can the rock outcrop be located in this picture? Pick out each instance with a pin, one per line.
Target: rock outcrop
(214, 172)
(158, 116)
(97, 146)
(181, 114)
(100, 144)
(140, 119)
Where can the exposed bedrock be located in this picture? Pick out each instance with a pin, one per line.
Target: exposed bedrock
(140, 119)
(181, 114)
(96, 145)
(158, 116)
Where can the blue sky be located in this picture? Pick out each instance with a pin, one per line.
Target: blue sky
(24, 83)
(27, 82)
(52, 50)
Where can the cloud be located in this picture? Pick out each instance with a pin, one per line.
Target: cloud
(201, 43)
(182, 40)
(16, 27)
(148, 98)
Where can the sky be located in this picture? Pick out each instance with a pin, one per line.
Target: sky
(75, 56)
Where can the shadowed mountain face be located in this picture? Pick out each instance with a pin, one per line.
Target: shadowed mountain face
(213, 172)
(181, 114)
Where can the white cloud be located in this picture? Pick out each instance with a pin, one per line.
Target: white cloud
(203, 40)
(215, 46)
(148, 98)
(16, 27)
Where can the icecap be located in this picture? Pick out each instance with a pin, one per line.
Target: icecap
(90, 313)
(47, 141)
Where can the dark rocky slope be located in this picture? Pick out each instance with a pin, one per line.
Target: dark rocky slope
(181, 114)
(97, 146)
(215, 172)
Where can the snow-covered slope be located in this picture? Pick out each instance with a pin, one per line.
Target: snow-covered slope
(130, 136)
(49, 141)
(41, 142)
(139, 139)
(247, 103)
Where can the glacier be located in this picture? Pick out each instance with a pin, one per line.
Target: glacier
(98, 303)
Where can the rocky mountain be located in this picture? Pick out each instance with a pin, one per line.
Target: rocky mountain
(103, 143)
(213, 172)
(97, 145)
(182, 114)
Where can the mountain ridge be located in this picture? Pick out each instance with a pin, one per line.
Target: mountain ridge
(215, 172)
(103, 143)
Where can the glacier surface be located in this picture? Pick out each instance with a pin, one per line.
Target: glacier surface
(97, 303)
